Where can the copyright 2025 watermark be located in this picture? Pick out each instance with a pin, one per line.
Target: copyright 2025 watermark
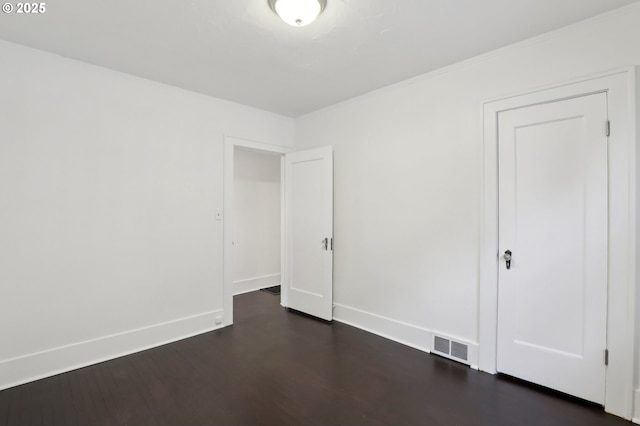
(24, 8)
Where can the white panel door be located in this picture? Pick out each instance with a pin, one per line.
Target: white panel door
(552, 300)
(308, 263)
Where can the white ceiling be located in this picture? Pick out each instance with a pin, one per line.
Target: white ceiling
(239, 50)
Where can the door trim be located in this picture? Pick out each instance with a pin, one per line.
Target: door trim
(230, 143)
(620, 88)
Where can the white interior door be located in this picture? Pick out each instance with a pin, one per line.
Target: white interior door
(308, 218)
(552, 299)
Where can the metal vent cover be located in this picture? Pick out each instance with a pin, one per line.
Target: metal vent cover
(459, 350)
(441, 345)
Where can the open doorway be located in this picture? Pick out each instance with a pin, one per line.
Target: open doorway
(306, 226)
(257, 188)
(258, 181)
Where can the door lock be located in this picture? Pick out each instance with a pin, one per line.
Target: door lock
(507, 258)
(325, 244)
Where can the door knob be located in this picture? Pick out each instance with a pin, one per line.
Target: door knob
(507, 258)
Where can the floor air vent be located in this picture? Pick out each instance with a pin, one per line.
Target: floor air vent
(450, 349)
(440, 344)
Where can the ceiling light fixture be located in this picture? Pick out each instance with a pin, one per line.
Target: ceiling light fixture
(298, 13)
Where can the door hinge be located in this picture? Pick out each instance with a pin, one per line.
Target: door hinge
(606, 357)
(608, 128)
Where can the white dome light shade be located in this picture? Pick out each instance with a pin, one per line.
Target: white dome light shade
(298, 13)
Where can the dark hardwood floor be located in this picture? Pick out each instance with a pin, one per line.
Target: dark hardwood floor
(280, 368)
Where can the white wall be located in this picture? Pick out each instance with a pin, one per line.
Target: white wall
(108, 190)
(636, 418)
(408, 173)
(256, 204)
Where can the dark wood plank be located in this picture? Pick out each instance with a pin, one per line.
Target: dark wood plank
(4, 410)
(274, 367)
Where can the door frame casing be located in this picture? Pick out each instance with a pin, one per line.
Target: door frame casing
(230, 144)
(620, 88)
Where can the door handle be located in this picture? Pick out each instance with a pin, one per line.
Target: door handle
(325, 243)
(507, 258)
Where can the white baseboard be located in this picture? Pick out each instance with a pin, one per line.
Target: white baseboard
(398, 331)
(256, 283)
(636, 406)
(35, 366)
